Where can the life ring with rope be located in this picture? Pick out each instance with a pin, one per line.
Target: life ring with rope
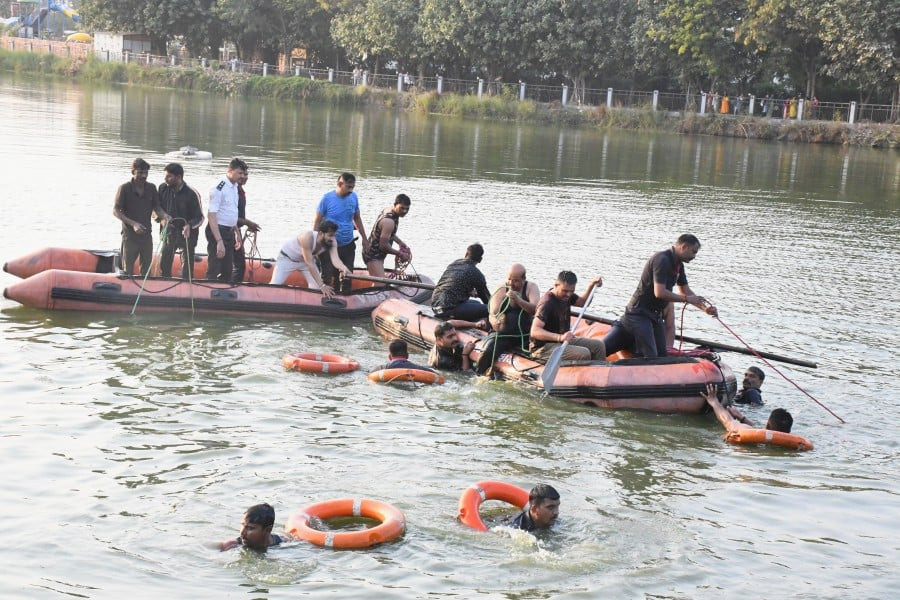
(403, 375)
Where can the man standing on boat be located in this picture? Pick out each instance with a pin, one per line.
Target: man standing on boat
(342, 207)
(550, 326)
(136, 201)
(240, 259)
(642, 327)
(182, 202)
(383, 236)
(460, 280)
(222, 226)
(511, 310)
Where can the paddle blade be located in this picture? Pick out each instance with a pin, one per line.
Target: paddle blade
(549, 373)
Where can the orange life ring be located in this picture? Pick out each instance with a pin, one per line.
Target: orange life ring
(418, 375)
(474, 495)
(312, 362)
(392, 526)
(767, 436)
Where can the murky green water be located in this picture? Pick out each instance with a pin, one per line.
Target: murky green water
(132, 444)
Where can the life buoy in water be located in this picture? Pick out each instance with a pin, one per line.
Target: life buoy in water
(417, 375)
(392, 525)
(311, 362)
(474, 495)
(767, 436)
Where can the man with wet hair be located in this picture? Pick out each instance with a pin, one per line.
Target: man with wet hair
(732, 419)
(398, 357)
(135, 202)
(451, 298)
(542, 510)
(448, 353)
(182, 202)
(550, 327)
(750, 392)
(256, 530)
(642, 328)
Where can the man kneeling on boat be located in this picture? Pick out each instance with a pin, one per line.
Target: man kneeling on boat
(300, 254)
(550, 327)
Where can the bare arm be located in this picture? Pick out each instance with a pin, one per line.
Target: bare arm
(595, 282)
(357, 221)
(731, 420)
(494, 307)
(687, 296)
(317, 221)
(539, 332)
(387, 235)
(306, 249)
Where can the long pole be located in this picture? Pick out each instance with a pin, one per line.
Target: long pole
(394, 282)
(719, 346)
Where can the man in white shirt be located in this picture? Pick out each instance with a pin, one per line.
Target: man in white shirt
(223, 218)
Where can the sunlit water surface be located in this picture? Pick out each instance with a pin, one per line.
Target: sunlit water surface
(132, 444)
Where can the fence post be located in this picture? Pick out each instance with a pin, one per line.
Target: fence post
(330, 75)
(565, 95)
(853, 112)
(702, 103)
(172, 60)
(148, 59)
(265, 69)
(365, 78)
(800, 110)
(752, 105)
(440, 84)
(399, 82)
(124, 56)
(107, 56)
(609, 97)
(203, 62)
(655, 99)
(296, 70)
(480, 87)
(521, 91)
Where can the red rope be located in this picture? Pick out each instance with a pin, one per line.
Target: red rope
(774, 368)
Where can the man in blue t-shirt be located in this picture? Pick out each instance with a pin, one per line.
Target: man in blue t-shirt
(342, 207)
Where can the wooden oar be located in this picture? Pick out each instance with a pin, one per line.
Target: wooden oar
(552, 365)
(394, 282)
(720, 346)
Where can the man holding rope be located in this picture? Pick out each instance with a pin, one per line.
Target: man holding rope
(510, 311)
(642, 327)
(182, 202)
(135, 201)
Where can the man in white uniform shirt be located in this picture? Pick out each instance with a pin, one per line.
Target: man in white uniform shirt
(223, 218)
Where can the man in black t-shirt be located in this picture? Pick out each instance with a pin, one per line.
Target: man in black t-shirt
(542, 510)
(642, 327)
(448, 353)
(550, 327)
(750, 392)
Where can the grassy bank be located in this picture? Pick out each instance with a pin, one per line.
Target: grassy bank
(495, 107)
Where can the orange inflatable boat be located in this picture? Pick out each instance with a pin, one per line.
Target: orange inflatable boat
(666, 385)
(79, 290)
(258, 270)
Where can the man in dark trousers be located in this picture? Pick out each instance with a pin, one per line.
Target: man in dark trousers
(222, 226)
(451, 296)
(136, 201)
(182, 202)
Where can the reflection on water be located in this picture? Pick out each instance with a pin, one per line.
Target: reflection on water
(140, 441)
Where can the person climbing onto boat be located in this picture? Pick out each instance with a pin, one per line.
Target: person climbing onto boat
(732, 419)
(451, 298)
(398, 357)
(300, 254)
(550, 327)
(511, 310)
(182, 203)
(221, 227)
(341, 206)
(256, 530)
(383, 236)
(448, 353)
(240, 258)
(750, 392)
(642, 328)
(541, 512)
(135, 202)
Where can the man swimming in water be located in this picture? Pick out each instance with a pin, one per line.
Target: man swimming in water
(256, 530)
(543, 509)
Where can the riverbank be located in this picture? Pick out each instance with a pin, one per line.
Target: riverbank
(502, 107)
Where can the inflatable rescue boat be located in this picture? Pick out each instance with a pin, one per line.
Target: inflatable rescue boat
(671, 384)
